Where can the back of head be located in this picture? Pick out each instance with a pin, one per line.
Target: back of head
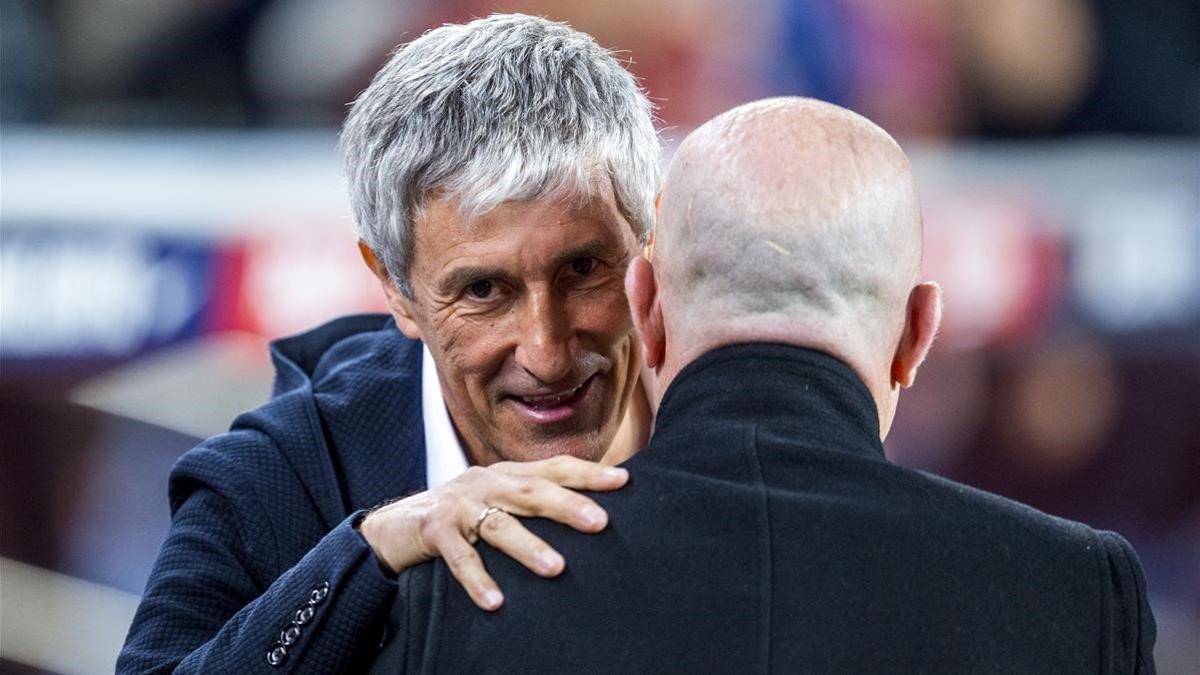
(510, 107)
(788, 220)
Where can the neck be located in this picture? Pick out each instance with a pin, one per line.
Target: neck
(634, 431)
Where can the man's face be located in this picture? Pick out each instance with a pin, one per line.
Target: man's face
(524, 312)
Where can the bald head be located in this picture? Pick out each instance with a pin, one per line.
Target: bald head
(788, 220)
(789, 206)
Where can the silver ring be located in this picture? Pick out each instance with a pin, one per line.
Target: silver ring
(487, 511)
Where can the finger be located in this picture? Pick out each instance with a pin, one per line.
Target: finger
(467, 567)
(508, 535)
(568, 471)
(534, 496)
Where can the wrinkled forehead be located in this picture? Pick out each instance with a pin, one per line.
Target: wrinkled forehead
(561, 219)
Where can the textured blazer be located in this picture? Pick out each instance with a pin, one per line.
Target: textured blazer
(262, 570)
(762, 530)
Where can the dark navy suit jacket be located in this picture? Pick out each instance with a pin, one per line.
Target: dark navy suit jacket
(262, 570)
(762, 530)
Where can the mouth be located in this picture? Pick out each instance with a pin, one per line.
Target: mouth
(553, 408)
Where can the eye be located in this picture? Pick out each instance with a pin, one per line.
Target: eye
(480, 290)
(583, 266)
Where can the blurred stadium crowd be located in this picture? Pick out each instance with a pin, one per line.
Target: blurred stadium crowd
(919, 67)
(171, 200)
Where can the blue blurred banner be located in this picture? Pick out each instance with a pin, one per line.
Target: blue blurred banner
(89, 293)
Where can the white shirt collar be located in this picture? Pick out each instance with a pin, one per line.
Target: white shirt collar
(444, 456)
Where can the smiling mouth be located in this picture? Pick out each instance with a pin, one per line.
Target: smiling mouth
(553, 408)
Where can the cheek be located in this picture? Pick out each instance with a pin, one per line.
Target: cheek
(606, 314)
(617, 309)
(475, 350)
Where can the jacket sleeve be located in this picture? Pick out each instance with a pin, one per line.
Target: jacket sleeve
(207, 607)
(1130, 624)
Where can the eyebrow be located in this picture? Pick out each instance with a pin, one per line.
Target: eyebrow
(460, 277)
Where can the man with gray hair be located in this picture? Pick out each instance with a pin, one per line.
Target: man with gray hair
(763, 530)
(502, 175)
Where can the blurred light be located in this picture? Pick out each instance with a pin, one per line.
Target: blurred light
(60, 623)
(308, 52)
(1063, 407)
(202, 184)
(1028, 62)
(1137, 263)
(998, 266)
(298, 280)
(194, 388)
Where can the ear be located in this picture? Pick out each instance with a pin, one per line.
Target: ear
(642, 290)
(399, 304)
(923, 315)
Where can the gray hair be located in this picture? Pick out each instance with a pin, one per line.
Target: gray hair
(510, 107)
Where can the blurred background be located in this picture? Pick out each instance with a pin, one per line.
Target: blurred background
(170, 200)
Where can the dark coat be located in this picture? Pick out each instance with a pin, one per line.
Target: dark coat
(261, 557)
(762, 530)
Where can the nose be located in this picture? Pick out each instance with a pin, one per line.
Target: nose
(544, 350)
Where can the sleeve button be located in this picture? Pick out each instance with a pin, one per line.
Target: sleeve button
(304, 615)
(289, 636)
(277, 656)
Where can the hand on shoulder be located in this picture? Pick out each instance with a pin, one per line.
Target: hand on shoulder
(481, 503)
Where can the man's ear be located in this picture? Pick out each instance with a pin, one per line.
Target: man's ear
(398, 303)
(923, 315)
(642, 290)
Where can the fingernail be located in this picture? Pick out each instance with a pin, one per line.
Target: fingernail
(492, 599)
(614, 472)
(591, 515)
(549, 561)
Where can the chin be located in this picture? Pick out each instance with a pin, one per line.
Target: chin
(591, 446)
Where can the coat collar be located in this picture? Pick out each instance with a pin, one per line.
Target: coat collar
(357, 379)
(807, 395)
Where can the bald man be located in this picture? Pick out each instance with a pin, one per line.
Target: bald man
(762, 529)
